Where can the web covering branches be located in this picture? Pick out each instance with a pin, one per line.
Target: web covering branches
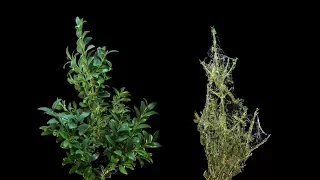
(227, 132)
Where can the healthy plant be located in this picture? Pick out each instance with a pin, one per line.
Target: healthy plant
(227, 132)
(100, 134)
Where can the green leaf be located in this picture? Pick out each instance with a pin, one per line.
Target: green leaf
(123, 170)
(74, 137)
(81, 94)
(132, 156)
(124, 127)
(70, 107)
(90, 47)
(86, 156)
(142, 152)
(74, 104)
(54, 105)
(77, 20)
(150, 137)
(128, 165)
(96, 61)
(110, 140)
(118, 152)
(68, 54)
(96, 75)
(151, 106)
(80, 77)
(66, 161)
(122, 138)
(134, 120)
(100, 80)
(82, 62)
(125, 99)
(115, 116)
(74, 169)
(148, 158)
(46, 132)
(55, 131)
(90, 59)
(153, 145)
(78, 31)
(87, 172)
(105, 69)
(79, 50)
(95, 156)
(90, 53)
(141, 126)
(83, 105)
(87, 40)
(64, 122)
(136, 140)
(116, 91)
(83, 127)
(77, 87)
(150, 113)
(43, 127)
(63, 134)
(114, 159)
(66, 116)
(129, 144)
(137, 112)
(113, 124)
(85, 143)
(112, 51)
(107, 77)
(76, 145)
(104, 94)
(45, 109)
(84, 33)
(146, 102)
(65, 144)
(79, 151)
(145, 134)
(72, 125)
(52, 121)
(60, 107)
(124, 94)
(141, 162)
(109, 63)
(88, 78)
(142, 107)
(100, 52)
(156, 136)
(83, 115)
(71, 81)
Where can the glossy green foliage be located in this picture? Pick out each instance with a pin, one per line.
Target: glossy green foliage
(101, 134)
(227, 132)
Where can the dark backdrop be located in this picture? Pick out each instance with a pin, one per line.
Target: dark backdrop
(158, 59)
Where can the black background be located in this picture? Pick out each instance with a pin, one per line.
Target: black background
(159, 51)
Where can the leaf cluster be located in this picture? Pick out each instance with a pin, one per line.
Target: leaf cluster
(101, 134)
